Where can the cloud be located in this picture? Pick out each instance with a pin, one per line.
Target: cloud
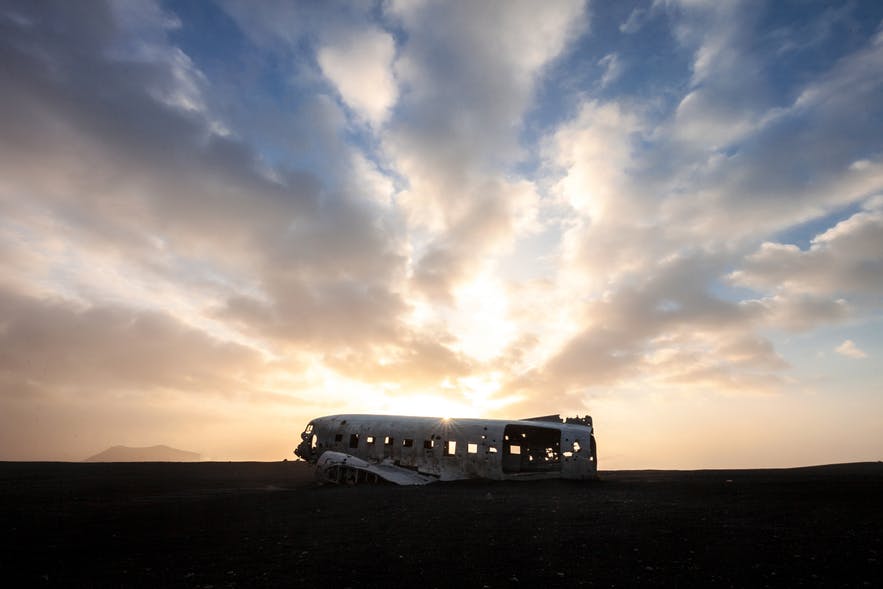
(798, 312)
(850, 350)
(773, 161)
(634, 22)
(659, 206)
(467, 74)
(75, 379)
(413, 365)
(845, 260)
(274, 23)
(595, 152)
(345, 202)
(732, 141)
(56, 347)
(359, 64)
(613, 68)
(665, 328)
(170, 217)
(477, 230)
(149, 189)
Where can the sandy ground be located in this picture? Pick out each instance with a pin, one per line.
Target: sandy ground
(267, 524)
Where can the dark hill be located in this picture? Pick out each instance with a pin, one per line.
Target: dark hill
(149, 454)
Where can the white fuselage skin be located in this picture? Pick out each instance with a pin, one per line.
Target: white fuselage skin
(454, 448)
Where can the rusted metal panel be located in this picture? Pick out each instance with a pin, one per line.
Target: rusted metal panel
(419, 449)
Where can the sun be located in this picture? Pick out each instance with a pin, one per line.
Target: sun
(481, 319)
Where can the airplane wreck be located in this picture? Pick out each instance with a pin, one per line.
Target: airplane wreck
(406, 450)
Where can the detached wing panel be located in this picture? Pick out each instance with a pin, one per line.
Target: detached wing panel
(338, 467)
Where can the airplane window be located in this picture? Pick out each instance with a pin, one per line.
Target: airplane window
(354, 440)
(450, 448)
(369, 440)
(387, 441)
(407, 443)
(472, 448)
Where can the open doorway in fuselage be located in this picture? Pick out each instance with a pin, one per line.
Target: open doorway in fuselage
(529, 448)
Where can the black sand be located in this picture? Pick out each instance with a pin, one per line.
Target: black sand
(266, 524)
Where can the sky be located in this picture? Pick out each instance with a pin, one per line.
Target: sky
(219, 220)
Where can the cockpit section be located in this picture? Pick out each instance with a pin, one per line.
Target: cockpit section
(307, 448)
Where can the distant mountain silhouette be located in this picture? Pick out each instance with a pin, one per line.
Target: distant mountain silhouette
(150, 454)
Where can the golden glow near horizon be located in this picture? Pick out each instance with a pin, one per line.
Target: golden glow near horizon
(392, 212)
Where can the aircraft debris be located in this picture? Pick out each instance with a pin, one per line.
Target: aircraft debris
(405, 450)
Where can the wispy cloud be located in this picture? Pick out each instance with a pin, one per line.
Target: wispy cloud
(613, 68)
(850, 350)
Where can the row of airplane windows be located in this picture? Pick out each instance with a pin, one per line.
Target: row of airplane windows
(450, 446)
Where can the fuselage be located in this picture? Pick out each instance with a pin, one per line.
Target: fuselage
(459, 448)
